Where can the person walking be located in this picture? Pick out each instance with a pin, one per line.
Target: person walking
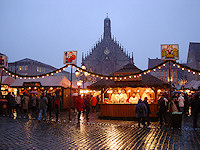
(162, 110)
(79, 104)
(148, 110)
(43, 102)
(181, 101)
(141, 110)
(26, 101)
(195, 105)
(57, 106)
(87, 103)
(18, 101)
(94, 103)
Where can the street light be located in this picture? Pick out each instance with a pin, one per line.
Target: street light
(79, 83)
(84, 73)
(77, 73)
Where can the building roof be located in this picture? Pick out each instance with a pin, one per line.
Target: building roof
(130, 67)
(196, 50)
(192, 84)
(154, 62)
(7, 80)
(54, 81)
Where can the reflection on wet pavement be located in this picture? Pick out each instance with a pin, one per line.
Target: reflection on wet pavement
(96, 134)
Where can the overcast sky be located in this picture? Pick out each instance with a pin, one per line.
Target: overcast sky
(43, 29)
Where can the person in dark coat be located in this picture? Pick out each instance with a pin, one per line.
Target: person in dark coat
(11, 103)
(148, 110)
(79, 104)
(195, 105)
(57, 102)
(162, 110)
(141, 110)
(87, 103)
(50, 104)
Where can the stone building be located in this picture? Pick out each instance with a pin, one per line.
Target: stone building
(179, 77)
(32, 67)
(193, 60)
(107, 55)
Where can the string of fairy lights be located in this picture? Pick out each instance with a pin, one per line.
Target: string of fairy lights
(119, 77)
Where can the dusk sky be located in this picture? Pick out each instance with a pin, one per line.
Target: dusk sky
(43, 29)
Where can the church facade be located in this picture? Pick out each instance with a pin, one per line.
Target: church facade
(107, 55)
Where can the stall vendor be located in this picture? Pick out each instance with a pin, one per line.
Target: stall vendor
(123, 96)
(115, 97)
(133, 99)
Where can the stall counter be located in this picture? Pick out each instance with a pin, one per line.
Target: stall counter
(123, 111)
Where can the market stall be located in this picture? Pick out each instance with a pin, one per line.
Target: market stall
(119, 96)
(5, 86)
(50, 84)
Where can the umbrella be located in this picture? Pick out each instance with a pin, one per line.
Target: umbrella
(75, 94)
(174, 92)
(33, 92)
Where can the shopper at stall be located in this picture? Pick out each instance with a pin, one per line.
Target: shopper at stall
(57, 105)
(87, 103)
(148, 110)
(123, 96)
(18, 104)
(79, 104)
(115, 97)
(94, 103)
(25, 104)
(141, 110)
(181, 101)
(162, 110)
(43, 102)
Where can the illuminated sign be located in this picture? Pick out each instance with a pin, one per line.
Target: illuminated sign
(169, 52)
(70, 57)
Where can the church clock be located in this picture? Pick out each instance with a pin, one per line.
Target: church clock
(106, 51)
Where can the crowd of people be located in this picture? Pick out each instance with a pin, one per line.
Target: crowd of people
(181, 102)
(38, 106)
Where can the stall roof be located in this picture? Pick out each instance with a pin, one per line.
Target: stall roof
(54, 81)
(7, 80)
(192, 84)
(147, 80)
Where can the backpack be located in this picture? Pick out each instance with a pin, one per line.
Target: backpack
(140, 109)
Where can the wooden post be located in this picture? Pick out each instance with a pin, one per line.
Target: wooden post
(70, 100)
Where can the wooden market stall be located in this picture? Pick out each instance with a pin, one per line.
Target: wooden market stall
(138, 87)
(50, 84)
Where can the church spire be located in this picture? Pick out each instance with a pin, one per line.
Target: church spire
(107, 28)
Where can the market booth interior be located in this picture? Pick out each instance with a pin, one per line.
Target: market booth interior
(119, 96)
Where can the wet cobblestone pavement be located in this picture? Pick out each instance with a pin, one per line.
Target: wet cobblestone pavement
(97, 134)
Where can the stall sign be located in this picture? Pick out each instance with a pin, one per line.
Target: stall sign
(170, 52)
(31, 84)
(3, 61)
(70, 57)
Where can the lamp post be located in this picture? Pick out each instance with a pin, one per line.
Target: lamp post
(84, 73)
(79, 83)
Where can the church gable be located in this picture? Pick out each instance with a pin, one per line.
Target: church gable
(107, 55)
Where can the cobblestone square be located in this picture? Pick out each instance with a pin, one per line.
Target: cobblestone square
(97, 134)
